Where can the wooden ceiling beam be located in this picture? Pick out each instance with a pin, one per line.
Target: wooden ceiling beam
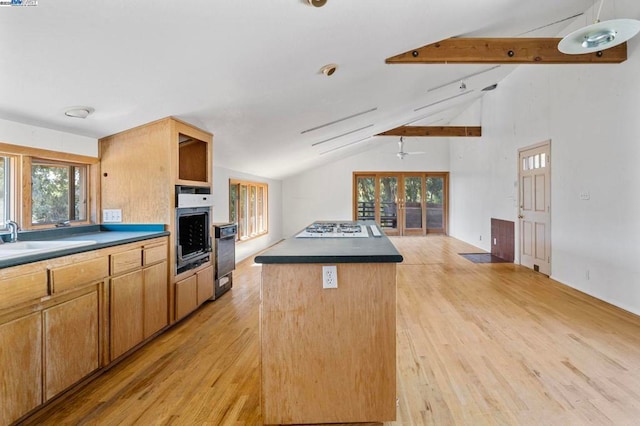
(435, 131)
(504, 51)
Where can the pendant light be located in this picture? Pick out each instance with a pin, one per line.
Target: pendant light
(599, 36)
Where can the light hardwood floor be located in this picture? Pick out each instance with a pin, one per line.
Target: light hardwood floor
(477, 344)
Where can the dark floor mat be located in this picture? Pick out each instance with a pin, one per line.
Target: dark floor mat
(483, 258)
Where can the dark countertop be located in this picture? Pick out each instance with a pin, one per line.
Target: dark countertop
(332, 250)
(103, 235)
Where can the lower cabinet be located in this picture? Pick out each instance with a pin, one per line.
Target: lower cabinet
(205, 285)
(71, 342)
(21, 372)
(138, 307)
(56, 316)
(126, 312)
(186, 296)
(156, 300)
(193, 291)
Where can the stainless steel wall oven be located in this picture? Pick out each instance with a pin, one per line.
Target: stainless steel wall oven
(193, 227)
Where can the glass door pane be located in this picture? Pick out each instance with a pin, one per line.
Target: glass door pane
(435, 204)
(413, 202)
(388, 202)
(366, 201)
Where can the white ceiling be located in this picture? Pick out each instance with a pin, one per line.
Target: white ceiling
(249, 70)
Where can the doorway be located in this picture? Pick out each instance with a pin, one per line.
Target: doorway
(403, 203)
(534, 181)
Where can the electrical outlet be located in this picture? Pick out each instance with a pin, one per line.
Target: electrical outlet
(330, 276)
(111, 215)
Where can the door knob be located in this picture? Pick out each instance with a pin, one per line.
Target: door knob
(520, 216)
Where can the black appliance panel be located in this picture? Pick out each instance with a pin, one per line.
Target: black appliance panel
(225, 234)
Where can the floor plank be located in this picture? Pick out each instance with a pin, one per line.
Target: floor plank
(477, 344)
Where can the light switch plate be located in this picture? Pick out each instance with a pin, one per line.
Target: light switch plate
(111, 215)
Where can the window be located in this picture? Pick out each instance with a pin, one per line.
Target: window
(248, 208)
(58, 192)
(5, 191)
(41, 188)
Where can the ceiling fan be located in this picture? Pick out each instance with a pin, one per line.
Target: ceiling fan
(402, 153)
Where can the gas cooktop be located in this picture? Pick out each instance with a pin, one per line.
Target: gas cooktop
(334, 230)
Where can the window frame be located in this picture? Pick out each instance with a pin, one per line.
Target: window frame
(22, 158)
(251, 209)
(84, 197)
(11, 200)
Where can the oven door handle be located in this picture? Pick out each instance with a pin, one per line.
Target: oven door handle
(179, 252)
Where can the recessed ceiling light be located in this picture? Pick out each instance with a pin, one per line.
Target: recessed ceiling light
(78, 112)
(317, 3)
(329, 69)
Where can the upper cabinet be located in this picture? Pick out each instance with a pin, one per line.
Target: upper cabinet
(193, 158)
(194, 155)
(140, 167)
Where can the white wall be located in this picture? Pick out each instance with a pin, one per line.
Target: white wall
(248, 248)
(591, 114)
(325, 193)
(39, 137)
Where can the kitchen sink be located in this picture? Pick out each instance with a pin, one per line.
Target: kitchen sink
(25, 248)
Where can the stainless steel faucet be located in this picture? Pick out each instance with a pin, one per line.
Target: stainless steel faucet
(14, 228)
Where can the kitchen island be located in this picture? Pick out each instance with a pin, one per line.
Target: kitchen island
(329, 354)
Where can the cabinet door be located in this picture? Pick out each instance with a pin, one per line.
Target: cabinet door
(156, 308)
(126, 312)
(20, 367)
(205, 285)
(186, 296)
(71, 339)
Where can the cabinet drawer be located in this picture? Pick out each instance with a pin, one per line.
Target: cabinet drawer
(89, 271)
(126, 261)
(23, 289)
(154, 254)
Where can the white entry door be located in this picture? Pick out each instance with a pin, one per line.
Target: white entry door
(534, 178)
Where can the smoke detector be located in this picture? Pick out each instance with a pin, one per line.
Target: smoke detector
(317, 3)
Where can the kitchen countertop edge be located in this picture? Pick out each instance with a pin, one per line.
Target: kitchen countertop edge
(332, 250)
(105, 236)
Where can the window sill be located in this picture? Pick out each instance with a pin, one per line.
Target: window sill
(252, 237)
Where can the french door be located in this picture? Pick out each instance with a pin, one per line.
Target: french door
(402, 203)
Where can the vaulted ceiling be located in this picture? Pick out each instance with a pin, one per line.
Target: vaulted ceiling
(249, 71)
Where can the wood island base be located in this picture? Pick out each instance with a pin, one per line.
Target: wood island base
(328, 355)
